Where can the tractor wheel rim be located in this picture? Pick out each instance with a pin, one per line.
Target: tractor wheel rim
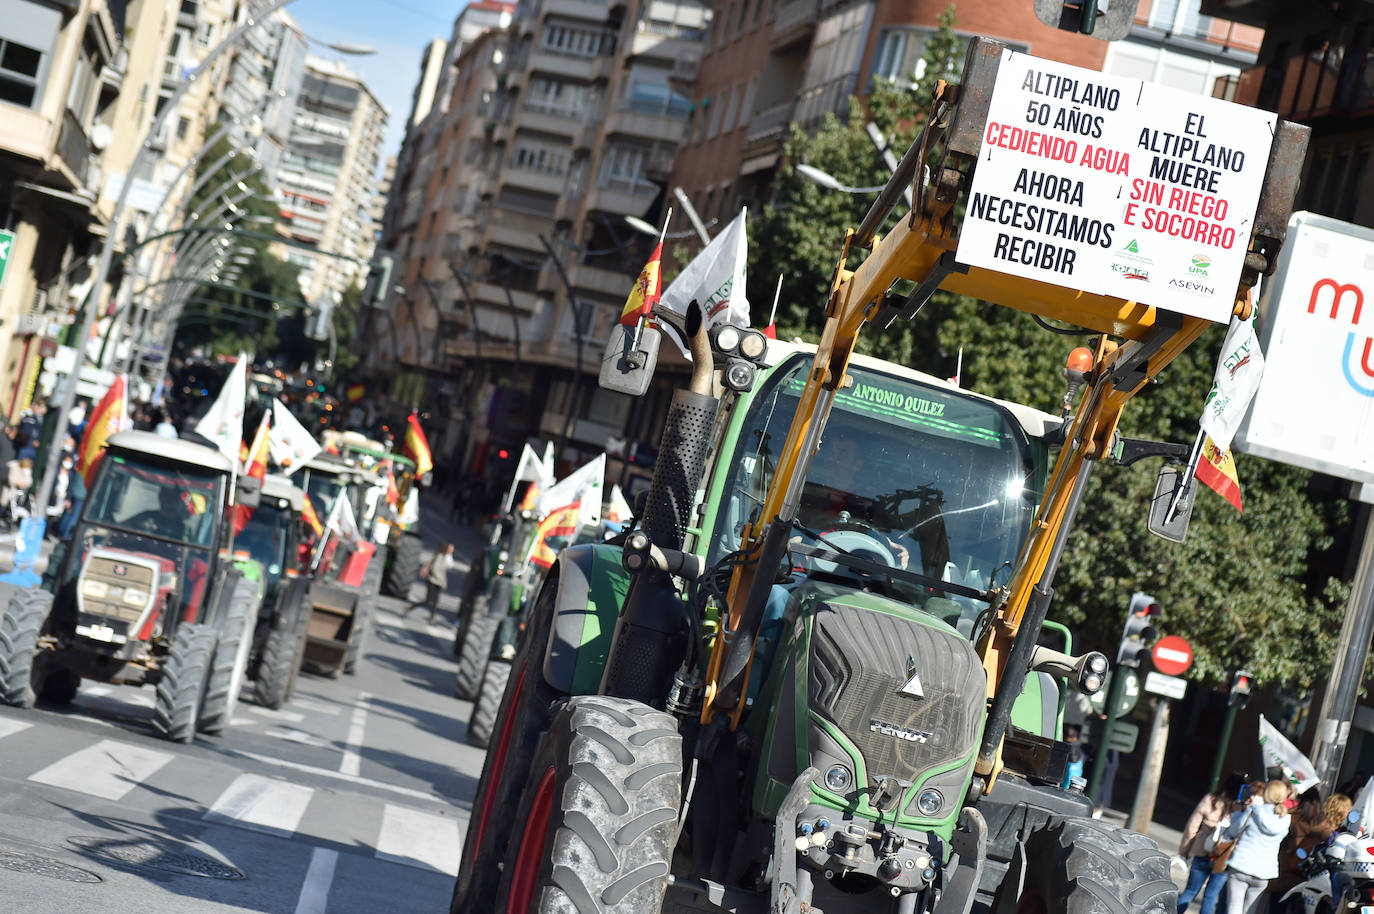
(498, 757)
(530, 858)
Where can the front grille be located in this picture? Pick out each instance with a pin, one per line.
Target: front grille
(857, 669)
(118, 575)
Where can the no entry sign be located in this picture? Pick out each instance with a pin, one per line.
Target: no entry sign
(1172, 655)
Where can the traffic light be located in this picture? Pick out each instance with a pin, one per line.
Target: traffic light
(1241, 682)
(1140, 631)
(377, 286)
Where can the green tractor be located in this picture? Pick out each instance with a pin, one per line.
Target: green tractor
(145, 592)
(814, 676)
(272, 538)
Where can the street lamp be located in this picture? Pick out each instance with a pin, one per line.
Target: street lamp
(830, 182)
(639, 225)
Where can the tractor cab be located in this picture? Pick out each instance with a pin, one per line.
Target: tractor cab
(147, 546)
(272, 535)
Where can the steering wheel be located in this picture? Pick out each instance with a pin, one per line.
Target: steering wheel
(859, 541)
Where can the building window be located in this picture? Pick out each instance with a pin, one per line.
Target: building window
(833, 69)
(575, 42)
(550, 96)
(622, 168)
(1181, 17)
(540, 158)
(19, 67)
(898, 57)
(656, 98)
(183, 127)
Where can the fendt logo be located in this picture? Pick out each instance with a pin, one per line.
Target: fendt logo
(1357, 362)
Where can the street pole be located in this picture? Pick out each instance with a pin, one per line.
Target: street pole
(1343, 688)
(1227, 723)
(692, 216)
(577, 333)
(102, 273)
(1101, 739)
(1142, 813)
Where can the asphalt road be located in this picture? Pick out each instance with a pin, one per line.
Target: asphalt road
(354, 797)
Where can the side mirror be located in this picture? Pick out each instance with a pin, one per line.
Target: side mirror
(1172, 484)
(627, 367)
(248, 491)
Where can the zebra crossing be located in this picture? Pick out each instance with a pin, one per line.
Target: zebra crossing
(218, 794)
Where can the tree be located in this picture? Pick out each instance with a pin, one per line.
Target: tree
(1256, 590)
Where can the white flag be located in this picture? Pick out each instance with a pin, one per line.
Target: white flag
(714, 279)
(530, 469)
(223, 424)
(1280, 753)
(341, 519)
(584, 484)
(619, 511)
(290, 445)
(1233, 387)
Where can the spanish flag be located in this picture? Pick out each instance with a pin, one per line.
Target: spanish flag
(560, 522)
(417, 446)
(309, 516)
(393, 494)
(1217, 470)
(531, 498)
(255, 465)
(106, 419)
(354, 392)
(646, 290)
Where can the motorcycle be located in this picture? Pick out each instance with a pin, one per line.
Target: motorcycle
(1338, 874)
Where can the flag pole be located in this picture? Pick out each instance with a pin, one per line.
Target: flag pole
(1188, 478)
(777, 294)
(639, 323)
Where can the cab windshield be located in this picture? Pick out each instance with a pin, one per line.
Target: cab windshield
(264, 539)
(322, 488)
(908, 476)
(170, 501)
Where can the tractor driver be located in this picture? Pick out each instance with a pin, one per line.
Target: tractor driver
(168, 520)
(843, 488)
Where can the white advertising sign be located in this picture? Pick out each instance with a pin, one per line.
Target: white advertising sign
(144, 196)
(1168, 686)
(1116, 187)
(1315, 404)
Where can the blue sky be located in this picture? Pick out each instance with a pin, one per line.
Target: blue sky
(398, 29)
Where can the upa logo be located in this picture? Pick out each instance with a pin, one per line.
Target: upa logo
(1200, 265)
(1357, 362)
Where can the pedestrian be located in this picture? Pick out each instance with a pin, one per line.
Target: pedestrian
(435, 575)
(1211, 811)
(1258, 833)
(75, 498)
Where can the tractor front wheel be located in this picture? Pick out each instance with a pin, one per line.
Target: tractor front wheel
(596, 825)
(21, 671)
(276, 667)
(185, 680)
(404, 569)
(482, 721)
(1085, 866)
(231, 657)
(473, 659)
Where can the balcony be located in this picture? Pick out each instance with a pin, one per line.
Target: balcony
(770, 125)
(620, 200)
(589, 10)
(660, 126)
(74, 149)
(549, 123)
(564, 65)
(542, 181)
(652, 44)
(794, 20)
(608, 283)
(526, 303)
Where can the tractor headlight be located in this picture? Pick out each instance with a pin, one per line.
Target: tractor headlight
(752, 345)
(929, 801)
(95, 589)
(727, 339)
(838, 779)
(738, 375)
(135, 597)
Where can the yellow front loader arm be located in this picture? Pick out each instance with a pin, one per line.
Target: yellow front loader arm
(921, 249)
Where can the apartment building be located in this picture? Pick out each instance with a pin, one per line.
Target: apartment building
(327, 175)
(62, 69)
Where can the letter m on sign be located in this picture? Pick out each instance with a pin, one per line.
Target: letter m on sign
(1338, 292)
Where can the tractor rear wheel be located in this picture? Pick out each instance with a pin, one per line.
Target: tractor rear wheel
(21, 670)
(473, 660)
(522, 718)
(362, 622)
(60, 686)
(276, 667)
(482, 722)
(597, 823)
(404, 569)
(231, 657)
(1085, 866)
(185, 680)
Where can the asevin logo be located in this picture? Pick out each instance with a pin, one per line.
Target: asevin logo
(887, 729)
(1358, 374)
(1196, 288)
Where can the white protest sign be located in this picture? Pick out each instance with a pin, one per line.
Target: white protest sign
(1116, 187)
(1315, 404)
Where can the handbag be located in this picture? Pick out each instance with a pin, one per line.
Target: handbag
(1223, 848)
(1216, 836)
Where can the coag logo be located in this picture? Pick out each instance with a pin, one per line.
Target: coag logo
(1128, 271)
(1359, 375)
(1201, 263)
